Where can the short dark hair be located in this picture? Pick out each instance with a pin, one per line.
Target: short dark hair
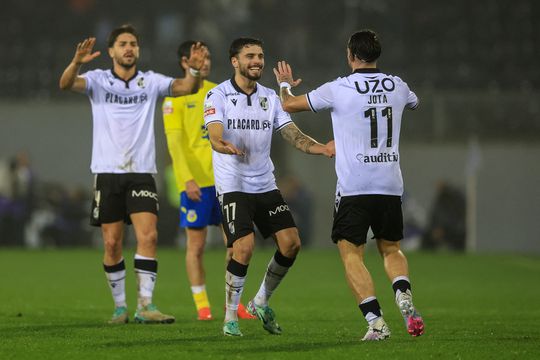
(238, 44)
(119, 31)
(365, 45)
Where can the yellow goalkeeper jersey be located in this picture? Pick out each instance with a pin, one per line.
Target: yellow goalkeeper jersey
(187, 138)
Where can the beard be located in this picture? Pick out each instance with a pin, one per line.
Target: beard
(245, 72)
(126, 64)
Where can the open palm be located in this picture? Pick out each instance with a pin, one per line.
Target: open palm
(84, 53)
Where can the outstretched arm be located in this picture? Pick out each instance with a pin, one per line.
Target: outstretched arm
(190, 83)
(70, 79)
(285, 80)
(215, 132)
(306, 144)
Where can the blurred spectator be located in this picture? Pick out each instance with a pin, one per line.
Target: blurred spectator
(60, 219)
(414, 222)
(300, 203)
(446, 226)
(16, 199)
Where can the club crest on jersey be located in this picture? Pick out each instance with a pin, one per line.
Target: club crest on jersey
(191, 216)
(264, 102)
(140, 83)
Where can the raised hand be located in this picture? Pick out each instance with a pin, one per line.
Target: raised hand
(84, 54)
(197, 55)
(283, 73)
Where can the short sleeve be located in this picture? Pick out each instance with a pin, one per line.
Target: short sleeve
(281, 117)
(412, 100)
(163, 84)
(214, 107)
(91, 78)
(321, 98)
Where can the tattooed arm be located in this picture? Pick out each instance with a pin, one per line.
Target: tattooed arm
(306, 144)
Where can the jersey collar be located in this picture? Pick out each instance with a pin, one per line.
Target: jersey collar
(237, 88)
(126, 82)
(367, 70)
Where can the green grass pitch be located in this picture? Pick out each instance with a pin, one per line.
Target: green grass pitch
(54, 305)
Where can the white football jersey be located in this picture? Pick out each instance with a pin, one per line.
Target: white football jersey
(366, 109)
(248, 122)
(123, 115)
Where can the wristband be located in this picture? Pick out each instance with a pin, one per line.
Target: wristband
(194, 72)
(284, 84)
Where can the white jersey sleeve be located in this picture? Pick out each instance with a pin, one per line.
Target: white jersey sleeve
(92, 80)
(163, 84)
(412, 100)
(321, 98)
(281, 117)
(214, 107)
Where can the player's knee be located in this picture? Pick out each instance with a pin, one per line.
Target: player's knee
(292, 249)
(148, 237)
(195, 250)
(112, 245)
(388, 247)
(243, 251)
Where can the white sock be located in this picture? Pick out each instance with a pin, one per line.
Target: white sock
(146, 271)
(371, 317)
(197, 289)
(397, 291)
(274, 274)
(116, 276)
(234, 285)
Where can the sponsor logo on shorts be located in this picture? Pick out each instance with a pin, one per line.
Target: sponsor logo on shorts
(144, 193)
(191, 216)
(231, 227)
(337, 201)
(97, 198)
(277, 210)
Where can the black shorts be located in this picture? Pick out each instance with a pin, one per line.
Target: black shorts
(240, 210)
(116, 196)
(354, 215)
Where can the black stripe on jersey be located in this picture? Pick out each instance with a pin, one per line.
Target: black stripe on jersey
(126, 82)
(367, 70)
(415, 105)
(282, 126)
(309, 103)
(170, 87)
(214, 121)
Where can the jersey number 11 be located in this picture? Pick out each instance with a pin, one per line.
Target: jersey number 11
(371, 114)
